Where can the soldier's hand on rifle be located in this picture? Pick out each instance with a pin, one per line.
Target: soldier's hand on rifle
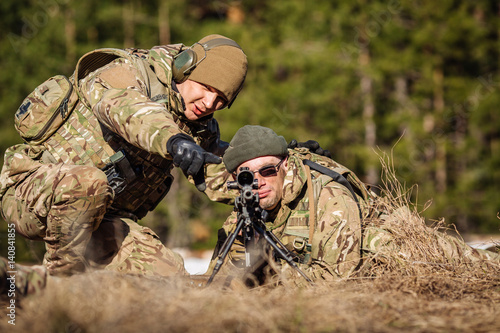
(190, 157)
(312, 145)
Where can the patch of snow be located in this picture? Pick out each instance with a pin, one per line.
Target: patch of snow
(195, 262)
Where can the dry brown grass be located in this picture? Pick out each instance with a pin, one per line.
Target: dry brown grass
(108, 302)
(418, 288)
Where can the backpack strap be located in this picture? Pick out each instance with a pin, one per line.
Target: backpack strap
(312, 214)
(337, 177)
(156, 88)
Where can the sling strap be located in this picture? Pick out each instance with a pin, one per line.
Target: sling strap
(312, 214)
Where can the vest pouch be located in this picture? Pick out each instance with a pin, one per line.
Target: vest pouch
(296, 236)
(45, 109)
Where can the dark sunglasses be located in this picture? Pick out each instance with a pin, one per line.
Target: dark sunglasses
(269, 170)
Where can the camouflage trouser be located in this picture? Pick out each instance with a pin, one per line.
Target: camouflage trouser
(64, 206)
(120, 244)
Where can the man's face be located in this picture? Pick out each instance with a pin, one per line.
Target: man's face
(200, 100)
(271, 187)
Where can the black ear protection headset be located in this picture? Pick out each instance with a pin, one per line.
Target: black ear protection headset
(186, 61)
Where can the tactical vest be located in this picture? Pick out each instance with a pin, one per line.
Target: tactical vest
(140, 179)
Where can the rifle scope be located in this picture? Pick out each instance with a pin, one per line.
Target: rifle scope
(245, 182)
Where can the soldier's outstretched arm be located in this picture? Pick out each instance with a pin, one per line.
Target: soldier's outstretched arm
(118, 98)
(216, 177)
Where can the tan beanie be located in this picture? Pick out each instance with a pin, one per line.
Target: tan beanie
(224, 68)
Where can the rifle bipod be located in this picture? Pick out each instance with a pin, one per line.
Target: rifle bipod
(250, 221)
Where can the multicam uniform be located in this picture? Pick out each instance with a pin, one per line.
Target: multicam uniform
(105, 167)
(337, 232)
(335, 249)
(341, 240)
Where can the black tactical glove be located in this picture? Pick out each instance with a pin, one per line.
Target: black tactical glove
(190, 157)
(312, 145)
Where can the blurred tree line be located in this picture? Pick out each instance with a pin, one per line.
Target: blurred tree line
(418, 80)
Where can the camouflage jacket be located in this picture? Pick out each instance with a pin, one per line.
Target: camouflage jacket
(127, 104)
(336, 241)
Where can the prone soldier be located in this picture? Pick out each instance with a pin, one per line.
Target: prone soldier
(318, 209)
